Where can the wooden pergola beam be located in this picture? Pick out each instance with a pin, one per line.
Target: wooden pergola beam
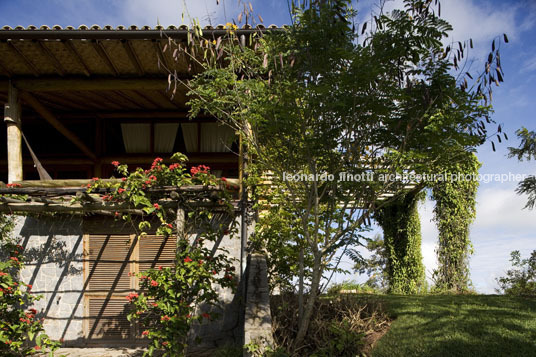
(101, 50)
(83, 84)
(57, 65)
(131, 52)
(51, 118)
(14, 135)
(24, 59)
(70, 47)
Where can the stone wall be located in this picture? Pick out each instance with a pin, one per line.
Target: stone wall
(54, 268)
(258, 319)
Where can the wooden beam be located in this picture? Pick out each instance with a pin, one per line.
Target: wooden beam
(131, 52)
(70, 47)
(14, 135)
(5, 70)
(101, 50)
(83, 84)
(51, 118)
(44, 49)
(25, 59)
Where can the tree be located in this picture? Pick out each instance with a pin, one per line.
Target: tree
(334, 113)
(527, 151)
(521, 279)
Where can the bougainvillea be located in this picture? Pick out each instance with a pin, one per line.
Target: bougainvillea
(170, 299)
(21, 331)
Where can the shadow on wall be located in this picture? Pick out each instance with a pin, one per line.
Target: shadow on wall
(84, 301)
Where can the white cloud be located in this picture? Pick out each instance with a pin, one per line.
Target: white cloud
(169, 12)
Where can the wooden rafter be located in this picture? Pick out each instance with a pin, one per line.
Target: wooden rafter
(146, 98)
(70, 47)
(128, 99)
(5, 70)
(51, 118)
(25, 59)
(78, 84)
(101, 50)
(131, 52)
(47, 53)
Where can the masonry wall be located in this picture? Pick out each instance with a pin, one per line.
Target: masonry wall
(54, 268)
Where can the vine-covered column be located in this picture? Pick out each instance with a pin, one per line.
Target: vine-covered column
(454, 211)
(402, 237)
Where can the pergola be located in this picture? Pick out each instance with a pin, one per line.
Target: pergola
(84, 97)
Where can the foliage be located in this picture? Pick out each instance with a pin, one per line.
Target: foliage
(352, 287)
(402, 239)
(526, 150)
(171, 299)
(376, 265)
(324, 98)
(338, 327)
(454, 211)
(521, 279)
(458, 325)
(21, 331)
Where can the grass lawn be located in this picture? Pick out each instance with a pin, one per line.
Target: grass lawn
(450, 325)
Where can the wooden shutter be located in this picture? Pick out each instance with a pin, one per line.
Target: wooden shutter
(108, 261)
(156, 251)
(108, 319)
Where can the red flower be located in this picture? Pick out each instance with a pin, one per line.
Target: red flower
(115, 163)
(152, 177)
(170, 225)
(174, 166)
(160, 267)
(117, 214)
(154, 283)
(33, 311)
(154, 304)
(205, 315)
(156, 205)
(123, 179)
(37, 348)
(145, 333)
(120, 190)
(3, 274)
(14, 259)
(200, 262)
(30, 286)
(95, 179)
(214, 272)
(148, 182)
(131, 296)
(165, 318)
(223, 179)
(165, 343)
(187, 260)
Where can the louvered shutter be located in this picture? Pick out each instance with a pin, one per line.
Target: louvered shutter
(109, 260)
(156, 251)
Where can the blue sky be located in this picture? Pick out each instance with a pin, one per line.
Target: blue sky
(501, 225)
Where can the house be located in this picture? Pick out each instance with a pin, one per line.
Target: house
(75, 100)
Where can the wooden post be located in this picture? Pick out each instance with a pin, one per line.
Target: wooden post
(180, 222)
(14, 136)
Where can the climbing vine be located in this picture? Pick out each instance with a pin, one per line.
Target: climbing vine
(402, 238)
(454, 211)
(171, 299)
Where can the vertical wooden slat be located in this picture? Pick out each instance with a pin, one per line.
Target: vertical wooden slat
(14, 135)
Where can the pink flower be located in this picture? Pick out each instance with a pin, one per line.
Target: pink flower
(123, 179)
(156, 205)
(154, 283)
(152, 177)
(145, 333)
(95, 179)
(115, 163)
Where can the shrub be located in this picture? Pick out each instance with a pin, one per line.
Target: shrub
(339, 326)
(19, 326)
(521, 279)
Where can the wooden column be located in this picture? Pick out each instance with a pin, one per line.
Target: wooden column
(14, 135)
